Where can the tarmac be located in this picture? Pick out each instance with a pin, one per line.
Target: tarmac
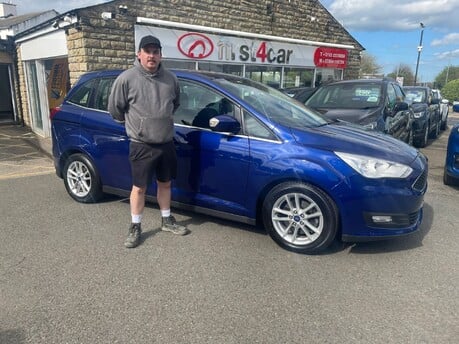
(23, 153)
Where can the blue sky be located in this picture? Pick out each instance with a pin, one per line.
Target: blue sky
(388, 29)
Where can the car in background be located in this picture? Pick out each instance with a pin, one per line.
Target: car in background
(444, 108)
(249, 153)
(427, 120)
(451, 170)
(299, 93)
(376, 104)
(456, 106)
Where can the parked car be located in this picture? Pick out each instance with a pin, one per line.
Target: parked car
(444, 108)
(300, 93)
(451, 170)
(260, 158)
(376, 104)
(427, 120)
(456, 106)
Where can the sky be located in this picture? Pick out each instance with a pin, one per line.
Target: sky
(389, 30)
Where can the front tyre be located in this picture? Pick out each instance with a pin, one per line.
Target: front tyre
(81, 179)
(300, 217)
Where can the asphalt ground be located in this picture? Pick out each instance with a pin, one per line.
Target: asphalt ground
(65, 276)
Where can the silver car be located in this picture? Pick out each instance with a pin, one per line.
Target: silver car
(444, 108)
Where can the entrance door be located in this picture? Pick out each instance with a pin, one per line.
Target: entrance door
(6, 100)
(38, 98)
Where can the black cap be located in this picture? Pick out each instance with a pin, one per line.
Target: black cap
(149, 40)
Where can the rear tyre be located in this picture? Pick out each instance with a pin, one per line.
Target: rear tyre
(300, 217)
(81, 179)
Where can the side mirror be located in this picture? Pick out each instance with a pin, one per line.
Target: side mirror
(225, 123)
(401, 106)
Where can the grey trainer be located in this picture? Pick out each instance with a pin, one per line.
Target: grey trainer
(133, 238)
(169, 224)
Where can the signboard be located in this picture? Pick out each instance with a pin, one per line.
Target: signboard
(213, 47)
(330, 58)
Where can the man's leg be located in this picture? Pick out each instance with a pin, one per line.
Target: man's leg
(168, 222)
(137, 202)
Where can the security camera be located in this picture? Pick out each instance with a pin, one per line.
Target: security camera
(55, 24)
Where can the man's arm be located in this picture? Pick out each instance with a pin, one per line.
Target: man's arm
(117, 103)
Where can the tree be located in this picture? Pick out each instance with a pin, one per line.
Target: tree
(368, 65)
(451, 90)
(404, 71)
(447, 74)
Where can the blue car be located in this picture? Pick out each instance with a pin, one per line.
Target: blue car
(451, 171)
(249, 153)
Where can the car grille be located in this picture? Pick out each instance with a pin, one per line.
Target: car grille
(421, 182)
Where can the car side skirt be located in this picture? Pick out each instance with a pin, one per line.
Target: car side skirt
(187, 207)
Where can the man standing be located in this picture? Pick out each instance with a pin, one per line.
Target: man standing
(144, 97)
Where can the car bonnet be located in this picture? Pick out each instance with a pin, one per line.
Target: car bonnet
(345, 137)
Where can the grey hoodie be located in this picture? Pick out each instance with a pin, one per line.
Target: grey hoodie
(145, 102)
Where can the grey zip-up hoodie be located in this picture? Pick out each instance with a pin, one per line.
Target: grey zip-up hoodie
(145, 102)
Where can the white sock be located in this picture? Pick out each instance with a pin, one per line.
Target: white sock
(136, 218)
(165, 212)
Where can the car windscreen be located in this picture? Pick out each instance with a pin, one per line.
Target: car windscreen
(347, 96)
(415, 95)
(276, 106)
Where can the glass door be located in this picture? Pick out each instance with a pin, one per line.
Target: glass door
(37, 97)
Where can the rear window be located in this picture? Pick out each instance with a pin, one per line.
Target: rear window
(347, 96)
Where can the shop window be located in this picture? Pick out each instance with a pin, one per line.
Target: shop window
(221, 68)
(268, 75)
(298, 77)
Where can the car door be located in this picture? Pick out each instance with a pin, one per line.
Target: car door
(212, 166)
(107, 138)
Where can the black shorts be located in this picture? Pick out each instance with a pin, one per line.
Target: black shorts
(152, 159)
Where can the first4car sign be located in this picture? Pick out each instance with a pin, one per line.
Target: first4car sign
(179, 44)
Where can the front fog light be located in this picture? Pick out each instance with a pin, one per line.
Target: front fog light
(381, 218)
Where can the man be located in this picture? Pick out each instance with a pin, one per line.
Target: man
(144, 97)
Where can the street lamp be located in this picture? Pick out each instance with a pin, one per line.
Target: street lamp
(419, 53)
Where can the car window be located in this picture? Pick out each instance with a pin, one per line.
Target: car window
(254, 128)
(102, 93)
(391, 96)
(82, 95)
(399, 93)
(198, 104)
(416, 95)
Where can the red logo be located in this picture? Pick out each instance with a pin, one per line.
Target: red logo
(195, 45)
(330, 57)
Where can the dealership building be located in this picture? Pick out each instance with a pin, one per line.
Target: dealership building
(282, 43)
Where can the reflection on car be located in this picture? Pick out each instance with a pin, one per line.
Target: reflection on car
(376, 104)
(249, 153)
(451, 170)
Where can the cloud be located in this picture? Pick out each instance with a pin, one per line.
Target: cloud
(452, 38)
(446, 55)
(394, 15)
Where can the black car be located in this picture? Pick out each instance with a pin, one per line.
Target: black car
(427, 116)
(377, 104)
(299, 93)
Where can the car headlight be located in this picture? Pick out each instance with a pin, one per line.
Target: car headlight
(419, 114)
(370, 167)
